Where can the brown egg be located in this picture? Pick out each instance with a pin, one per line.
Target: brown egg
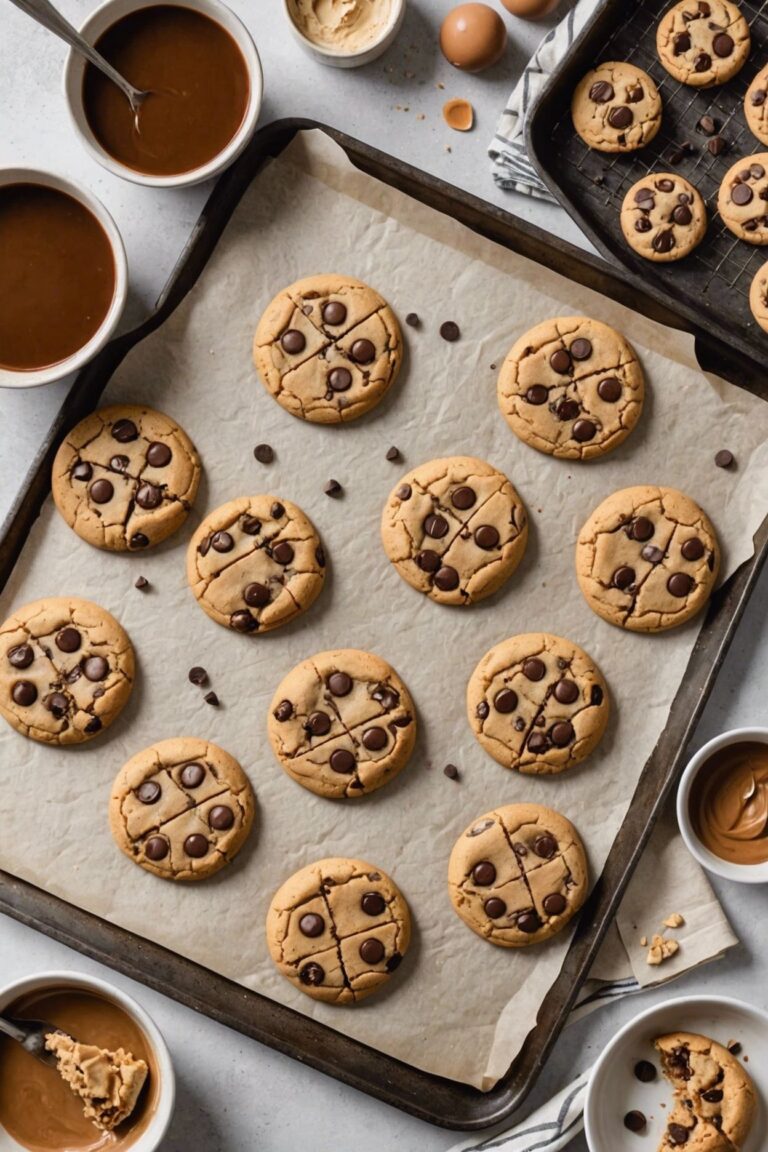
(530, 9)
(473, 37)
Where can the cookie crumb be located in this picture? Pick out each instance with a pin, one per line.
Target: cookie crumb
(451, 771)
(198, 676)
(212, 699)
(643, 941)
(661, 950)
(141, 583)
(333, 488)
(674, 921)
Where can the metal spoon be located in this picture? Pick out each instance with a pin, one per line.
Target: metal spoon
(31, 1035)
(44, 13)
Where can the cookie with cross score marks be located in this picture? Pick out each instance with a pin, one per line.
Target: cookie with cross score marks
(715, 1099)
(328, 348)
(663, 217)
(616, 108)
(571, 387)
(125, 478)
(743, 199)
(66, 670)
(703, 42)
(537, 703)
(338, 929)
(647, 559)
(342, 724)
(455, 529)
(181, 809)
(517, 875)
(255, 563)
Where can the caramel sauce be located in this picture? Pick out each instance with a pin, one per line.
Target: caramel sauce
(729, 803)
(57, 276)
(37, 1108)
(199, 85)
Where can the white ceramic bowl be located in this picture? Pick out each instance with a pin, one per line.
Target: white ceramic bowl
(742, 873)
(153, 1135)
(335, 59)
(614, 1089)
(104, 17)
(10, 378)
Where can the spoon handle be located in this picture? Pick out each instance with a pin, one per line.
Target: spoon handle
(44, 13)
(12, 1030)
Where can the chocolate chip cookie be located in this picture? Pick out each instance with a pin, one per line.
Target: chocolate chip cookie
(328, 348)
(663, 217)
(571, 387)
(66, 670)
(647, 559)
(616, 108)
(338, 929)
(758, 297)
(703, 42)
(743, 199)
(518, 874)
(342, 723)
(125, 478)
(255, 563)
(756, 106)
(715, 1099)
(182, 809)
(455, 529)
(537, 703)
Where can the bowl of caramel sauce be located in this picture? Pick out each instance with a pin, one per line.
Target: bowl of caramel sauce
(722, 805)
(200, 66)
(63, 277)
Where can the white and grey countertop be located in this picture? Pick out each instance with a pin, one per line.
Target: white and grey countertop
(235, 1095)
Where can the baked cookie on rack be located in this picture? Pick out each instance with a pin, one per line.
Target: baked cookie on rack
(328, 348)
(743, 199)
(715, 1098)
(571, 387)
(647, 559)
(342, 723)
(66, 670)
(616, 108)
(537, 703)
(703, 42)
(663, 217)
(338, 929)
(756, 106)
(125, 477)
(517, 875)
(758, 296)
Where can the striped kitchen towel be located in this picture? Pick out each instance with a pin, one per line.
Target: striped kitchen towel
(549, 1129)
(511, 166)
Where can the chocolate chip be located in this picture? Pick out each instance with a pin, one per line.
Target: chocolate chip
(393, 454)
(334, 313)
(93, 725)
(436, 526)
(310, 924)
(312, 974)
(156, 848)
(150, 496)
(758, 97)
(198, 675)
(620, 117)
(555, 904)
(702, 62)
(643, 197)
(757, 171)
(449, 331)
(428, 560)
(81, 471)
(264, 453)
(57, 704)
(584, 430)
(643, 224)
(562, 734)
(222, 542)
(663, 242)
(483, 710)
(680, 584)
(566, 692)
(333, 488)
(95, 668)
(212, 699)
(243, 621)
(716, 146)
(712, 1096)
(652, 554)
(601, 92)
(372, 951)
(257, 595)
(21, 655)
(159, 455)
(221, 817)
(192, 775)
(342, 761)
(741, 194)
(677, 1134)
(537, 393)
(412, 320)
(339, 379)
(404, 492)
(386, 696)
(645, 1071)
(623, 578)
(119, 463)
(251, 525)
(451, 771)
(149, 792)
(320, 555)
(494, 908)
(681, 43)
(596, 698)
(124, 431)
(545, 845)
(484, 874)
(537, 742)
(139, 540)
(528, 922)
(682, 214)
(567, 410)
(374, 739)
(534, 669)
(293, 341)
(141, 583)
(373, 903)
(283, 712)
(283, 553)
(635, 1121)
(505, 701)
(446, 578)
(609, 390)
(486, 537)
(463, 498)
(581, 349)
(318, 724)
(560, 362)
(68, 640)
(340, 683)
(101, 491)
(724, 458)
(708, 126)
(196, 845)
(723, 45)
(692, 549)
(735, 1048)
(642, 528)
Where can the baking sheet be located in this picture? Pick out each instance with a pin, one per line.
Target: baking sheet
(457, 1007)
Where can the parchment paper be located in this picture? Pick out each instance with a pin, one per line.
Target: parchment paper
(458, 1006)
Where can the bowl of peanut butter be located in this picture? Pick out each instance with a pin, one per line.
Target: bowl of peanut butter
(108, 1082)
(722, 805)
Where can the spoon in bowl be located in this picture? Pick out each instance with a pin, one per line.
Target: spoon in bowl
(31, 1035)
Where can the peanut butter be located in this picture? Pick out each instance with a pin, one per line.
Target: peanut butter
(345, 26)
(729, 803)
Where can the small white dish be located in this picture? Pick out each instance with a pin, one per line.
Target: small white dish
(742, 873)
(107, 15)
(31, 378)
(153, 1135)
(614, 1089)
(336, 59)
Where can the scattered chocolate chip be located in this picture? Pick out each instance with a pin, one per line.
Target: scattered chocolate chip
(716, 146)
(494, 908)
(342, 761)
(283, 712)
(21, 656)
(312, 973)
(150, 496)
(692, 549)
(156, 848)
(702, 62)
(601, 92)
(735, 1048)
(451, 771)
(663, 242)
(243, 621)
(93, 725)
(139, 540)
(436, 526)
(196, 845)
(311, 924)
(682, 214)
(372, 951)
(545, 845)
(758, 97)
(484, 874)
(567, 410)
(712, 1096)
(449, 331)
(677, 1134)
(101, 491)
(283, 553)
(81, 470)
(723, 45)
(609, 390)
(642, 528)
(251, 525)
(583, 431)
(293, 341)
(623, 578)
(741, 194)
(463, 498)
(635, 1121)
(333, 488)
(363, 351)
(320, 555)
(159, 455)
(119, 463)
(149, 792)
(404, 492)
(528, 922)
(707, 125)
(141, 583)
(562, 734)
(681, 43)
(212, 699)
(483, 710)
(192, 775)
(725, 459)
(68, 640)
(374, 739)
(393, 454)
(566, 692)
(560, 362)
(264, 453)
(198, 675)
(446, 578)
(57, 704)
(318, 724)
(373, 903)
(620, 117)
(652, 554)
(534, 669)
(256, 595)
(537, 394)
(596, 697)
(581, 349)
(334, 313)
(645, 1071)
(505, 701)
(124, 431)
(339, 379)
(486, 537)
(537, 742)
(340, 683)
(412, 320)
(95, 668)
(680, 585)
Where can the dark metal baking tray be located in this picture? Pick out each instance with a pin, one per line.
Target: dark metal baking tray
(710, 288)
(429, 1097)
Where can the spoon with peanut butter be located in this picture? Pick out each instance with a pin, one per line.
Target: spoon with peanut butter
(31, 1034)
